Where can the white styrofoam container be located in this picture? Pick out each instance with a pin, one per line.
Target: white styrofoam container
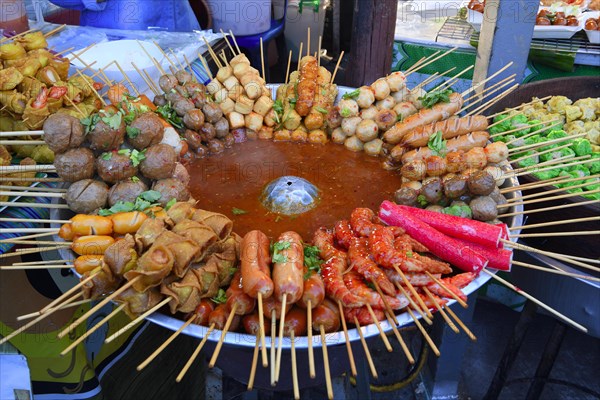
(243, 17)
(593, 36)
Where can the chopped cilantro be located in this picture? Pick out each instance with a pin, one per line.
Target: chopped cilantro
(437, 144)
(321, 110)
(351, 95)
(345, 112)
(435, 96)
(132, 132)
(113, 121)
(409, 254)
(106, 156)
(238, 211)
(312, 260)
(137, 157)
(90, 122)
(135, 179)
(150, 195)
(278, 247)
(220, 298)
(167, 112)
(422, 200)
(144, 201)
(170, 203)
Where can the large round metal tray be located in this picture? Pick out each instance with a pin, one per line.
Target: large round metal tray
(240, 345)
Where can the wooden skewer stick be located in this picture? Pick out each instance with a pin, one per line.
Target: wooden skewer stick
(156, 64)
(436, 351)
(27, 194)
(49, 232)
(179, 63)
(56, 246)
(337, 66)
(414, 305)
(227, 41)
(420, 61)
(273, 337)
(41, 262)
(160, 348)
(421, 306)
(399, 338)
(533, 201)
(386, 342)
(262, 60)
(139, 319)
(61, 307)
(556, 270)
(235, 42)
(127, 79)
(261, 320)
(21, 252)
(525, 157)
(319, 52)
(93, 329)
(556, 234)
(205, 65)
(32, 189)
(326, 364)
(479, 96)
(6, 169)
(59, 299)
(92, 89)
(164, 55)
(194, 355)
(461, 324)
(537, 210)
(348, 344)
(386, 304)
(440, 310)
(478, 85)
(556, 122)
(454, 79)
(21, 133)
(32, 205)
(431, 78)
(493, 100)
(508, 110)
(545, 182)
(365, 349)
(30, 179)
(212, 54)
(253, 367)
(280, 342)
(287, 72)
(308, 42)
(97, 307)
(536, 301)
(311, 354)
(443, 286)
(431, 60)
(148, 82)
(55, 30)
(22, 142)
(28, 267)
(36, 320)
(299, 56)
(215, 355)
(542, 193)
(17, 36)
(552, 223)
(547, 167)
(294, 367)
(522, 149)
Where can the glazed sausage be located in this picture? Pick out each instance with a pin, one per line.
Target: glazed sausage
(272, 304)
(450, 128)
(91, 245)
(251, 324)
(463, 142)
(328, 315)
(314, 291)
(203, 311)
(295, 321)
(307, 85)
(255, 261)
(127, 222)
(219, 317)
(84, 225)
(288, 274)
(235, 295)
(88, 263)
(66, 232)
(438, 112)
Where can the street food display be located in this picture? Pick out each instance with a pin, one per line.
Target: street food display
(170, 212)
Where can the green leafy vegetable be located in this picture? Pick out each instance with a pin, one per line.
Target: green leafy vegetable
(106, 156)
(171, 203)
(434, 97)
(137, 157)
(167, 112)
(422, 200)
(321, 110)
(144, 201)
(150, 195)
(238, 211)
(90, 122)
(312, 260)
(220, 298)
(135, 179)
(113, 121)
(345, 112)
(278, 247)
(292, 101)
(437, 144)
(351, 95)
(132, 132)
(409, 254)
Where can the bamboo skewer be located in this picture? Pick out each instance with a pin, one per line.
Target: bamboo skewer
(212, 54)
(319, 52)
(461, 324)
(127, 79)
(454, 79)
(536, 301)
(411, 288)
(287, 72)
(32, 205)
(27, 194)
(59, 299)
(434, 348)
(386, 342)
(552, 223)
(294, 367)
(7, 169)
(556, 234)
(537, 210)
(139, 319)
(493, 100)
(29, 267)
(61, 307)
(261, 319)
(55, 30)
(437, 305)
(235, 42)
(326, 364)
(480, 96)
(21, 142)
(227, 41)
(347, 337)
(517, 160)
(36, 235)
(556, 270)
(366, 349)
(426, 81)
(533, 201)
(194, 355)
(30, 179)
(148, 82)
(386, 304)
(431, 60)
(546, 182)
(452, 294)
(542, 193)
(41, 262)
(215, 355)
(514, 109)
(308, 42)
(18, 35)
(495, 74)
(262, 60)
(97, 307)
(32, 189)
(253, 367)
(205, 65)
(311, 354)
(272, 354)
(553, 121)
(28, 230)
(160, 348)
(280, 342)
(399, 338)
(547, 167)
(21, 133)
(337, 66)
(414, 305)
(93, 329)
(36, 320)
(154, 61)
(420, 61)
(522, 149)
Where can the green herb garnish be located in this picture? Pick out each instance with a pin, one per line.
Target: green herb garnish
(409, 254)
(321, 110)
(278, 247)
(106, 156)
(132, 132)
(135, 179)
(351, 95)
(238, 211)
(435, 96)
(90, 122)
(345, 112)
(170, 203)
(422, 200)
(168, 113)
(312, 260)
(144, 201)
(220, 298)
(137, 157)
(437, 144)
(113, 121)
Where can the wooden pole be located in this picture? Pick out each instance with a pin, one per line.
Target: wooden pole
(372, 41)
